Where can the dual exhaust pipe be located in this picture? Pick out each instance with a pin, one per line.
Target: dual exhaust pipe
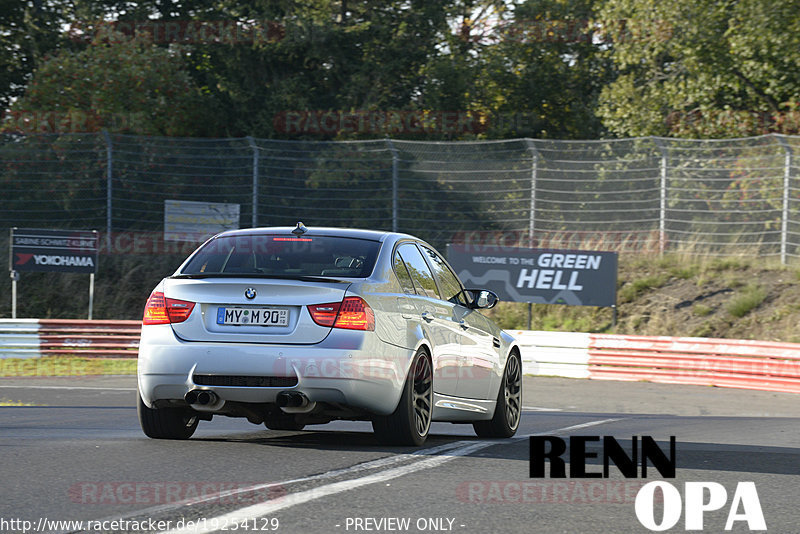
(201, 397)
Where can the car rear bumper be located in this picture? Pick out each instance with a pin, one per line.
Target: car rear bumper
(351, 368)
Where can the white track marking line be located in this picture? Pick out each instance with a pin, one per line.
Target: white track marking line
(248, 513)
(540, 409)
(258, 510)
(576, 427)
(366, 466)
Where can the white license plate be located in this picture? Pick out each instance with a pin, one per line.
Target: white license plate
(252, 316)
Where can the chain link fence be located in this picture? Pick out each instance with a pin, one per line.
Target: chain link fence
(719, 197)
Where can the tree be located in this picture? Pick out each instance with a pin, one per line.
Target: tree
(703, 68)
(119, 83)
(341, 56)
(28, 30)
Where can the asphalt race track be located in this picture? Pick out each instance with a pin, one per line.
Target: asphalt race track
(79, 455)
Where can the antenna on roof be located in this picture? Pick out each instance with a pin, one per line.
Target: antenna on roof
(300, 229)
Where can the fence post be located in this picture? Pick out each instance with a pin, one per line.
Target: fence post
(252, 143)
(532, 215)
(395, 183)
(109, 175)
(787, 175)
(662, 212)
(534, 169)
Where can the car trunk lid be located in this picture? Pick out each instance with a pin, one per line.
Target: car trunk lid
(253, 310)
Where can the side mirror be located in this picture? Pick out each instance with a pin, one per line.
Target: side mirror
(483, 298)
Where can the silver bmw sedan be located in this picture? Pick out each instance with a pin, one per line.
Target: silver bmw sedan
(299, 326)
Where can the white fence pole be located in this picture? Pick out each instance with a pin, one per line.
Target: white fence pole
(787, 175)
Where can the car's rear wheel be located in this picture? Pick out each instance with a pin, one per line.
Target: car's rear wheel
(411, 421)
(508, 410)
(166, 423)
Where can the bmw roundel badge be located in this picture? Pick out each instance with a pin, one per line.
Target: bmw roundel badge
(250, 293)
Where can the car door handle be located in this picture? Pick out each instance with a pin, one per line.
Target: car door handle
(427, 316)
(463, 324)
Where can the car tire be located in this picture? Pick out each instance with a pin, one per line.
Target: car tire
(508, 410)
(411, 421)
(166, 423)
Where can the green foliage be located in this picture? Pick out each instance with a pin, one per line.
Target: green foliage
(554, 317)
(117, 83)
(537, 74)
(704, 68)
(632, 290)
(535, 68)
(28, 31)
(746, 300)
(701, 310)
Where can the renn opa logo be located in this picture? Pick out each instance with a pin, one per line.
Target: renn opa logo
(698, 497)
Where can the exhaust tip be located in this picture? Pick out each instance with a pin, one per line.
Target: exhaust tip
(201, 397)
(282, 400)
(291, 399)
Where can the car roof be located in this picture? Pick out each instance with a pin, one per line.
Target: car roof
(374, 235)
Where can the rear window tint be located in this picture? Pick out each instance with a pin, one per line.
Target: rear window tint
(277, 255)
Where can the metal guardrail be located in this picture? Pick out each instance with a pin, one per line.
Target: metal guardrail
(743, 364)
(34, 338)
(762, 365)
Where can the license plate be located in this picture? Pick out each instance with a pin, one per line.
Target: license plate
(252, 317)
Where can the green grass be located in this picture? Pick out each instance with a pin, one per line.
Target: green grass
(631, 291)
(701, 310)
(746, 300)
(66, 366)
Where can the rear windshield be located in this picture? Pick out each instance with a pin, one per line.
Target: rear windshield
(282, 255)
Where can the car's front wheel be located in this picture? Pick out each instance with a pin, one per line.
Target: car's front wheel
(166, 423)
(411, 421)
(508, 410)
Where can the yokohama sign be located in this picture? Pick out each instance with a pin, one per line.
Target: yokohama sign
(65, 251)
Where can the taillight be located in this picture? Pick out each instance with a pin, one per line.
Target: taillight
(324, 314)
(161, 310)
(353, 313)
